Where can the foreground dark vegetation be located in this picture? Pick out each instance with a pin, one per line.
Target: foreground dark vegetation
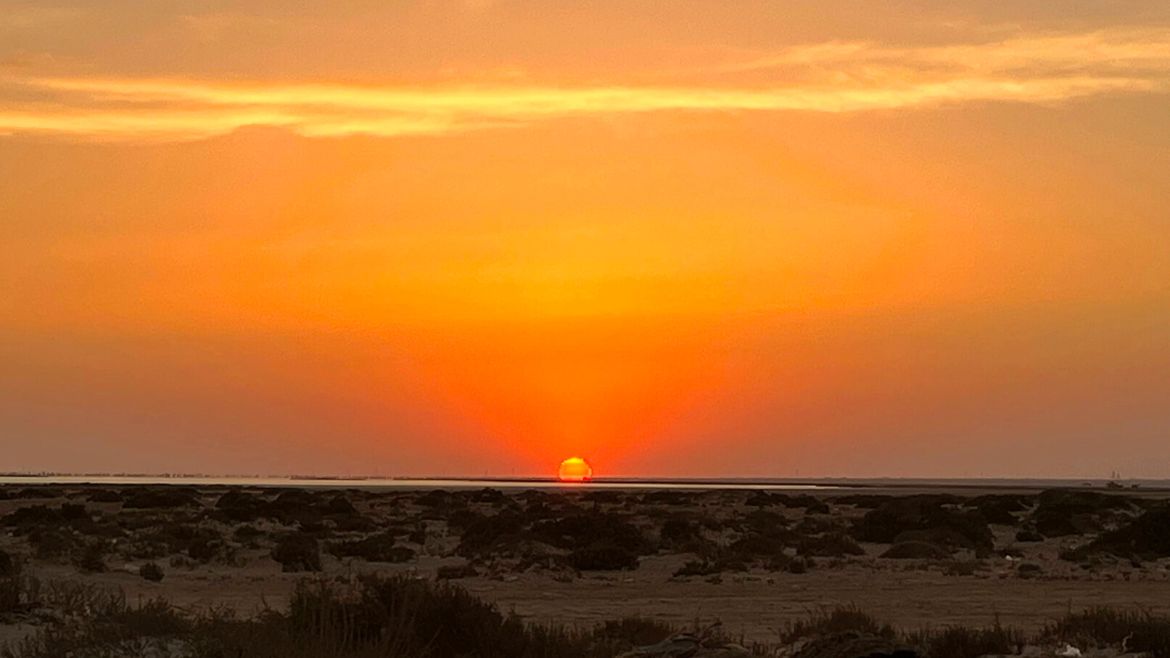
(404, 617)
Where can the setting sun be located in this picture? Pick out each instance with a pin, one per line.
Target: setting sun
(575, 469)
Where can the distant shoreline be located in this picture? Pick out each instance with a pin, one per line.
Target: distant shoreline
(380, 482)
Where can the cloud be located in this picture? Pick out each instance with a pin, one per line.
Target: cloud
(829, 77)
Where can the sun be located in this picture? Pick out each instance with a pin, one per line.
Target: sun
(575, 469)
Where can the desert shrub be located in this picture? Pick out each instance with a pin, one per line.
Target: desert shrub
(923, 513)
(1146, 537)
(809, 503)
(1029, 570)
(74, 512)
(1027, 536)
(487, 534)
(236, 505)
(602, 556)
(668, 497)
(167, 537)
(38, 493)
(104, 496)
(375, 548)
(91, 557)
(1139, 631)
(1000, 509)
(160, 498)
(50, 543)
(914, 550)
(298, 552)
(698, 568)
(1063, 512)
(456, 571)
(963, 642)
(835, 621)
(340, 505)
(588, 528)
(151, 571)
(831, 544)
(25, 519)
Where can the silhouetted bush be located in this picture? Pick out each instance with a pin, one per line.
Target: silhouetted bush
(923, 513)
(375, 548)
(25, 519)
(1000, 509)
(963, 642)
(236, 505)
(1063, 512)
(591, 527)
(298, 552)
(843, 619)
(1146, 537)
(91, 557)
(454, 572)
(831, 544)
(160, 498)
(603, 556)
(104, 496)
(151, 571)
(1027, 536)
(1139, 631)
(484, 535)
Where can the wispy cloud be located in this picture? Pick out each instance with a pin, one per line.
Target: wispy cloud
(829, 77)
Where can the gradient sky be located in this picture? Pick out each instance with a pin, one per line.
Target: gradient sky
(914, 238)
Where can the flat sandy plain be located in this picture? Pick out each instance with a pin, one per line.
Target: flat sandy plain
(753, 560)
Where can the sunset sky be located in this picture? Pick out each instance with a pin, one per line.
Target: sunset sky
(912, 238)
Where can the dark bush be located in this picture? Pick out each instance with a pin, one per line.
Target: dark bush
(26, 519)
(298, 552)
(588, 528)
(603, 556)
(962, 642)
(91, 557)
(830, 544)
(160, 498)
(236, 505)
(1145, 538)
(1063, 512)
(104, 496)
(1139, 631)
(484, 535)
(1000, 509)
(1027, 536)
(340, 505)
(38, 493)
(1028, 570)
(7, 564)
(151, 571)
(845, 619)
(453, 572)
(375, 548)
(73, 512)
(923, 513)
(913, 550)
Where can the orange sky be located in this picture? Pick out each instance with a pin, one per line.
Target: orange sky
(478, 237)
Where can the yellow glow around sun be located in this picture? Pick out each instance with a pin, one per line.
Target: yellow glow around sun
(575, 469)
